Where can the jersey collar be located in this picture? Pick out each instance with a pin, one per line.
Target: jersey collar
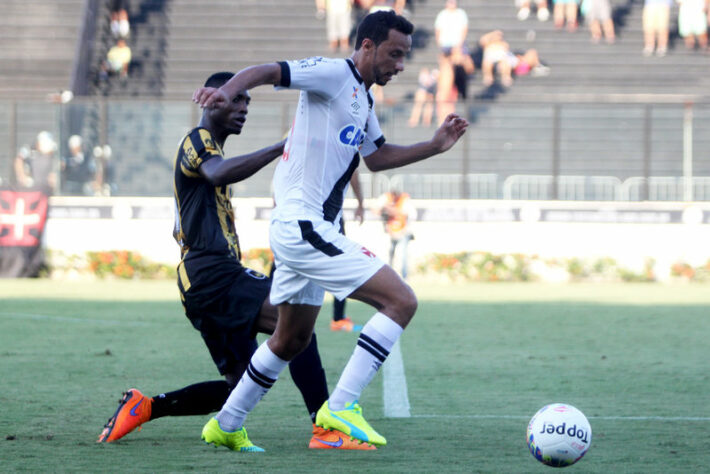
(354, 70)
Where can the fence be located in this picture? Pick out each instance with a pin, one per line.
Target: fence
(564, 151)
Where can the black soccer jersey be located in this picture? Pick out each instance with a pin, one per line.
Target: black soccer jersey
(204, 218)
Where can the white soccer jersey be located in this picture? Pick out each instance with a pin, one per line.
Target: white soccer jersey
(334, 121)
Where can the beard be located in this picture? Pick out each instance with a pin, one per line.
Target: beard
(380, 78)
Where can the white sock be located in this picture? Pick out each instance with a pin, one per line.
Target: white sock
(262, 371)
(373, 346)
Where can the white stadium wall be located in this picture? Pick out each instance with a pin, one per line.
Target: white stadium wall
(627, 232)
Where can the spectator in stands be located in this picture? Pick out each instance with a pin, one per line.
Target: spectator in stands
(104, 182)
(359, 11)
(451, 28)
(117, 61)
(497, 56)
(423, 107)
(524, 10)
(598, 14)
(656, 18)
(693, 23)
(384, 5)
(338, 18)
(397, 213)
(36, 168)
(120, 27)
(565, 13)
(77, 169)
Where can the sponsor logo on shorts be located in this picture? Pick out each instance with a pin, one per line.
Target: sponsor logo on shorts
(255, 274)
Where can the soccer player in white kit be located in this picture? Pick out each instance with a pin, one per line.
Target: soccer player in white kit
(335, 124)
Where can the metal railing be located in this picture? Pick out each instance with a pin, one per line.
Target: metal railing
(563, 151)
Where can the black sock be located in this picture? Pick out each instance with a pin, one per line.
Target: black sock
(198, 399)
(308, 375)
(338, 309)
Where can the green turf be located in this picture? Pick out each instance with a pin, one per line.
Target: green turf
(479, 360)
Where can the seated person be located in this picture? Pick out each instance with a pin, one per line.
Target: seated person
(497, 56)
(117, 61)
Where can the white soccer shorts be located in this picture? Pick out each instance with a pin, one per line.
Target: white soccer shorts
(312, 257)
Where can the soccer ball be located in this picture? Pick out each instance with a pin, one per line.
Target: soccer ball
(559, 435)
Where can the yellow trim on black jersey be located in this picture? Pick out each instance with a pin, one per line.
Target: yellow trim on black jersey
(182, 275)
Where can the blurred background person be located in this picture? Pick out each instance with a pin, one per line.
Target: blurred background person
(451, 29)
(117, 61)
(598, 14)
(104, 183)
(543, 14)
(565, 14)
(385, 5)
(498, 58)
(397, 212)
(656, 17)
(37, 168)
(423, 106)
(338, 22)
(120, 26)
(77, 169)
(693, 23)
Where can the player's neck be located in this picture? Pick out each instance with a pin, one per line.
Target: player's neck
(356, 58)
(219, 137)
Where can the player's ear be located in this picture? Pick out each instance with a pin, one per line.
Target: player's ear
(367, 44)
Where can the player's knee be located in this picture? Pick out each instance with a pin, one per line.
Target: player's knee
(405, 305)
(410, 303)
(289, 347)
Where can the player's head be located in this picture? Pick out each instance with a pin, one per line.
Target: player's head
(218, 79)
(383, 40)
(74, 143)
(376, 27)
(230, 119)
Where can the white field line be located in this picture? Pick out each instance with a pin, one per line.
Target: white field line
(396, 400)
(604, 418)
(67, 319)
(394, 385)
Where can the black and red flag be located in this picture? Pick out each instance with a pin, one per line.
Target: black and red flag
(23, 215)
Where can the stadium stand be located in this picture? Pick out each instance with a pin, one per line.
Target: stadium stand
(603, 115)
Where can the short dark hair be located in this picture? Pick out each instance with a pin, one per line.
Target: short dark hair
(376, 26)
(218, 79)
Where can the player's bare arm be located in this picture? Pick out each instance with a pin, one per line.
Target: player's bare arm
(357, 191)
(246, 79)
(390, 156)
(232, 170)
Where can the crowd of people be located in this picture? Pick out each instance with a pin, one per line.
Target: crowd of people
(77, 172)
(119, 56)
(460, 56)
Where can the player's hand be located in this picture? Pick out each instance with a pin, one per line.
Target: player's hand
(360, 213)
(451, 129)
(210, 97)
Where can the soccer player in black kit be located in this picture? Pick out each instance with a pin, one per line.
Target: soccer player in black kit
(225, 301)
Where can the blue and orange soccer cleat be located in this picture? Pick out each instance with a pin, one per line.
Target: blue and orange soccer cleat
(349, 421)
(345, 324)
(133, 410)
(238, 440)
(334, 439)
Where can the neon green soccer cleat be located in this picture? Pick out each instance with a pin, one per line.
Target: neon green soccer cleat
(350, 421)
(236, 441)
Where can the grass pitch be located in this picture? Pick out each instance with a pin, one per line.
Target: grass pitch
(479, 361)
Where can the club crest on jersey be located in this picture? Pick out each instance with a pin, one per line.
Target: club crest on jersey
(351, 135)
(355, 91)
(367, 252)
(310, 62)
